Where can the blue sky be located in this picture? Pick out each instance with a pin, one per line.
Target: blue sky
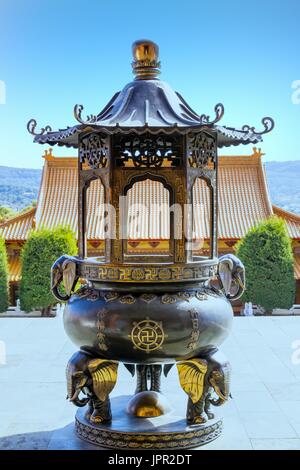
(58, 53)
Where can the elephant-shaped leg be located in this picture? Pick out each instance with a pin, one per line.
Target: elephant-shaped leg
(101, 411)
(94, 377)
(195, 412)
(207, 406)
(199, 378)
(90, 409)
(148, 373)
(155, 378)
(141, 378)
(192, 376)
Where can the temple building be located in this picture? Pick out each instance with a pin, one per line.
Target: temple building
(244, 200)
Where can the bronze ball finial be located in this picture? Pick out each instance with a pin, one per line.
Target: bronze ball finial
(145, 59)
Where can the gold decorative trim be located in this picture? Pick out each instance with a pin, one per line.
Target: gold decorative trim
(187, 296)
(138, 274)
(94, 294)
(168, 299)
(151, 273)
(127, 299)
(110, 296)
(160, 440)
(147, 298)
(201, 295)
(101, 330)
(147, 335)
(195, 329)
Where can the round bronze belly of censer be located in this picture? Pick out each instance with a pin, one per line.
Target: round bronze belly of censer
(150, 329)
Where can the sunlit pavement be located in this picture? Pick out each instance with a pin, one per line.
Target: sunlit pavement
(264, 412)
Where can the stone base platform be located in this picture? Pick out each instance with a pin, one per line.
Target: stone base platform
(130, 433)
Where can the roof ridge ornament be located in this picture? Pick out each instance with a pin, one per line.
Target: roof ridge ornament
(268, 124)
(219, 112)
(257, 152)
(145, 63)
(78, 108)
(31, 126)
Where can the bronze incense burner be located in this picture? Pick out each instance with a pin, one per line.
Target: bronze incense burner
(149, 310)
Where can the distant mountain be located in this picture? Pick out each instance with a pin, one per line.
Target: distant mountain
(19, 186)
(284, 184)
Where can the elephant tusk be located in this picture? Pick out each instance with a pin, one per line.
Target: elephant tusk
(69, 274)
(77, 401)
(56, 279)
(218, 402)
(75, 395)
(226, 277)
(58, 296)
(239, 281)
(221, 396)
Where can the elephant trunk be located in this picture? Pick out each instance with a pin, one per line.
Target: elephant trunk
(218, 402)
(80, 402)
(63, 270)
(74, 387)
(58, 295)
(221, 389)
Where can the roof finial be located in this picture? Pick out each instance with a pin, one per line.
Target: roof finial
(48, 154)
(145, 60)
(257, 152)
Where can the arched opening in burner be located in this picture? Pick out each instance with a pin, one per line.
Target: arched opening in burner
(202, 219)
(148, 221)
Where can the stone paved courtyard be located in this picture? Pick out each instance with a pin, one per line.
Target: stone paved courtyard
(264, 412)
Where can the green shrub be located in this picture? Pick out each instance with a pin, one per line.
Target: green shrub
(267, 255)
(3, 277)
(42, 248)
(6, 213)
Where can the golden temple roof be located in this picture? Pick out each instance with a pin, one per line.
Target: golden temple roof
(292, 221)
(243, 201)
(243, 198)
(18, 228)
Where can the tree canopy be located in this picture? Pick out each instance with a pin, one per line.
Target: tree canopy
(6, 213)
(267, 255)
(40, 251)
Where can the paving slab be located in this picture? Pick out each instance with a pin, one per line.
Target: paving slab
(264, 412)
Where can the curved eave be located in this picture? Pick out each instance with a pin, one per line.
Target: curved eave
(228, 136)
(68, 137)
(64, 137)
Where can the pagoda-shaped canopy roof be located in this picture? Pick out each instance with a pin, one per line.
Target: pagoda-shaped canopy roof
(148, 103)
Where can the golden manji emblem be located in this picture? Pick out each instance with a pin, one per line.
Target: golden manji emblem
(147, 335)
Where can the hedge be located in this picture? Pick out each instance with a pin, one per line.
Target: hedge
(267, 255)
(42, 248)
